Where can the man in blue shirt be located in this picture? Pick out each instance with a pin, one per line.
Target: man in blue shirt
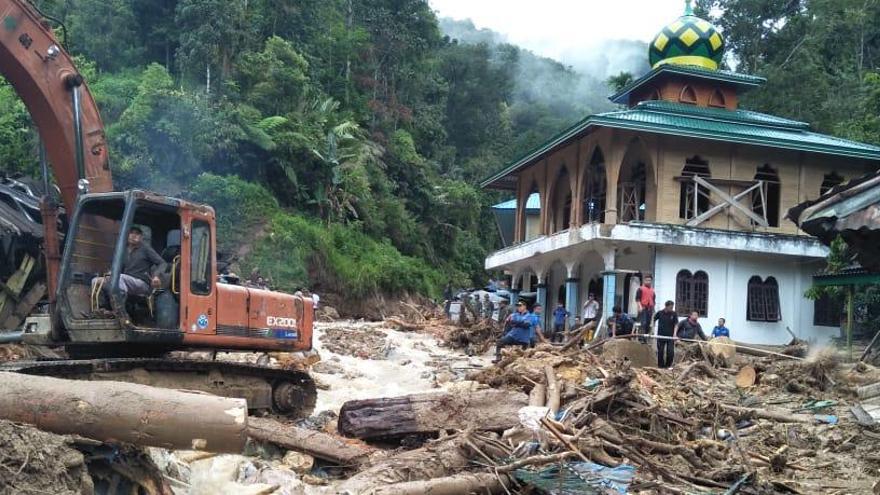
(559, 317)
(720, 330)
(522, 325)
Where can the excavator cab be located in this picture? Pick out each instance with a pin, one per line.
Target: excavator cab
(190, 309)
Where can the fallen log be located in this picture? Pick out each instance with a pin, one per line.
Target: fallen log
(125, 412)
(404, 326)
(778, 416)
(427, 413)
(453, 485)
(315, 443)
(867, 349)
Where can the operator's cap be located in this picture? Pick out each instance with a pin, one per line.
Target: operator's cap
(137, 228)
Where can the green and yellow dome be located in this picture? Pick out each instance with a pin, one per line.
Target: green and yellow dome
(688, 41)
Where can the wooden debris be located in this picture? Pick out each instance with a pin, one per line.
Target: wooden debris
(746, 377)
(315, 443)
(484, 483)
(553, 398)
(438, 459)
(404, 326)
(869, 391)
(779, 416)
(722, 350)
(428, 413)
(538, 395)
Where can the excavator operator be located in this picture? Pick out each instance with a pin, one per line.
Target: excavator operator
(138, 271)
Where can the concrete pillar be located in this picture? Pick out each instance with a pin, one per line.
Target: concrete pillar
(609, 290)
(609, 281)
(514, 296)
(572, 289)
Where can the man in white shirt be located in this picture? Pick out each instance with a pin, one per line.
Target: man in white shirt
(591, 309)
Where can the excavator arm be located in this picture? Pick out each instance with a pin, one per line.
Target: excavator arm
(60, 104)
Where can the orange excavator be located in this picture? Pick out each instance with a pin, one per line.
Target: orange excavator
(193, 310)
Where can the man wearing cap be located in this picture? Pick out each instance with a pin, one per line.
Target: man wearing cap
(138, 269)
(521, 327)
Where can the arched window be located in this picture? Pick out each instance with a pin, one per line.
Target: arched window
(688, 95)
(762, 303)
(765, 202)
(560, 202)
(718, 100)
(655, 95)
(531, 218)
(692, 293)
(831, 181)
(595, 189)
(694, 199)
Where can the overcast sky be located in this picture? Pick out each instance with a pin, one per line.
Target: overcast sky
(560, 28)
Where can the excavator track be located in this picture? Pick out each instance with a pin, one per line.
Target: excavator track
(285, 392)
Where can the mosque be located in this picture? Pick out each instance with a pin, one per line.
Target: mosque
(682, 184)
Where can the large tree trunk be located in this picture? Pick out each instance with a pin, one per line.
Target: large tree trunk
(125, 412)
(428, 413)
(315, 443)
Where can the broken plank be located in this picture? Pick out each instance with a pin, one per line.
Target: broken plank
(428, 413)
(24, 307)
(13, 287)
(869, 391)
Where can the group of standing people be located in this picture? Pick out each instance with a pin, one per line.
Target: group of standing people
(669, 327)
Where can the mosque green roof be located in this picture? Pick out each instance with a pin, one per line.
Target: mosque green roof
(734, 126)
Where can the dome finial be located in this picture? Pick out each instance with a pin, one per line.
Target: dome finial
(688, 7)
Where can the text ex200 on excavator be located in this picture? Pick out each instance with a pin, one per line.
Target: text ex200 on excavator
(191, 309)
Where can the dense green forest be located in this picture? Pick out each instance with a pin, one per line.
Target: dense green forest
(343, 140)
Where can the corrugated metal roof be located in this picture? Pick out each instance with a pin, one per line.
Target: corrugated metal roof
(735, 126)
(850, 210)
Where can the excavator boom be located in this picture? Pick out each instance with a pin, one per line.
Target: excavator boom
(61, 106)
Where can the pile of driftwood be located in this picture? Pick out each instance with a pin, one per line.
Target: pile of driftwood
(550, 420)
(574, 421)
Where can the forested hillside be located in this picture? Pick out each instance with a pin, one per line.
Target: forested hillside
(343, 140)
(820, 57)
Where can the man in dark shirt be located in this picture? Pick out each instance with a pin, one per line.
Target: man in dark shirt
(139, 268)
(666, 320)
(690, 328)
(620, 322)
